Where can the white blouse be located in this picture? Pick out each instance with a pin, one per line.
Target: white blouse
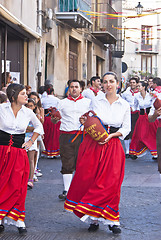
(129, 97)
(152, 110)
(117, 114)
(142, 103)
(49, 101)
(17, 125)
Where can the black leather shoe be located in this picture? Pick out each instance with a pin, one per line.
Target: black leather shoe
(133, 157)
(63, 195)
(1, 228)
(22, 230)
(127, 155)
(115, 229)
(93, 227)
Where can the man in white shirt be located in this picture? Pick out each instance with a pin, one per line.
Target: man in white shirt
(71, 109)
(94, 90)
(129, 96)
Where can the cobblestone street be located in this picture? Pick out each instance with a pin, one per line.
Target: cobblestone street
(140, 206)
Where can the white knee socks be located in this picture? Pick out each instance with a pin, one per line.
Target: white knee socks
(67, 178)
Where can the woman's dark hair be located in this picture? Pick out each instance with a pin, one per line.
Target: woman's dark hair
(3, 98)
(31, 100)
(157, 81)
(37, 95)
(13, 90)
(41, 89)
(111, 73)
(49, 88)
(144, 84)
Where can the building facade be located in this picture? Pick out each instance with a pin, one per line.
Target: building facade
(58, 40)
(142, 39)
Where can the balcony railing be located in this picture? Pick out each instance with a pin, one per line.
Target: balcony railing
(146, 48)
(75, 6)
(74, 12)
(118, 48)
(104, 24)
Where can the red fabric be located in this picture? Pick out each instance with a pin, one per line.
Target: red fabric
(95, 188)
(159, 124)
(14, 173)
(95, 91)
(51, 137)
(134, 112)
(158, 89)
(136, 91)
(144, 136)
(75, 99)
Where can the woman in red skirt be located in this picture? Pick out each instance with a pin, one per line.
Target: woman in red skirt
(14, 163)
(52, 132)
(144, 136)
(94, 193)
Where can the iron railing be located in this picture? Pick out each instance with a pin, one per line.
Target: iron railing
(101, 20)
(81, 6)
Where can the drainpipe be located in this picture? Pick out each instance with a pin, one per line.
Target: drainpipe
(39, 30)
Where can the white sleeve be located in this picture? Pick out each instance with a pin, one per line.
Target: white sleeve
(136, 104)
(38, 128)
(126, 125)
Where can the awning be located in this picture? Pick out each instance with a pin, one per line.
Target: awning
(15, 23)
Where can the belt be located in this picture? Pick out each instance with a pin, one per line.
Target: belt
(144, 110)
(46, 111)
(111, 129)
(14, 140)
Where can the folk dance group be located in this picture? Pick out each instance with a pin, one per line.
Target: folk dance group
(93, 193)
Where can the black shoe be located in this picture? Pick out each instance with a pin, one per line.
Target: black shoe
(155, 158)
(133, 157)
(93, 227)
(22, 230)
(115, 229)
(63, 195)
(127, 155)
(1, 228)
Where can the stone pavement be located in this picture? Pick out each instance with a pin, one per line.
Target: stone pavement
(140, 206)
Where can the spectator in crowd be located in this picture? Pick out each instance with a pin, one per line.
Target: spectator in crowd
(3, 98)
(31, 152)
(28, 89)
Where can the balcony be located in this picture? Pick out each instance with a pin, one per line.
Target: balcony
(103, 24)
(118, 48)
(146, 49)
(74, 13)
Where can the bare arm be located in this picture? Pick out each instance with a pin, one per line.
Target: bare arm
(156, 114)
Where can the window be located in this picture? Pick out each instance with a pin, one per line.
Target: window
(146, 38)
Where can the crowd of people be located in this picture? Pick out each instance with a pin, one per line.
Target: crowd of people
(92, 188)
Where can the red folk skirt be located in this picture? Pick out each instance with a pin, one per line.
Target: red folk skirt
(14, 173)
(95, 188)
(144, 136)
(51, 137)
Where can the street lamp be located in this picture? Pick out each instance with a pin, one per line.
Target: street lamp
(139, 8)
